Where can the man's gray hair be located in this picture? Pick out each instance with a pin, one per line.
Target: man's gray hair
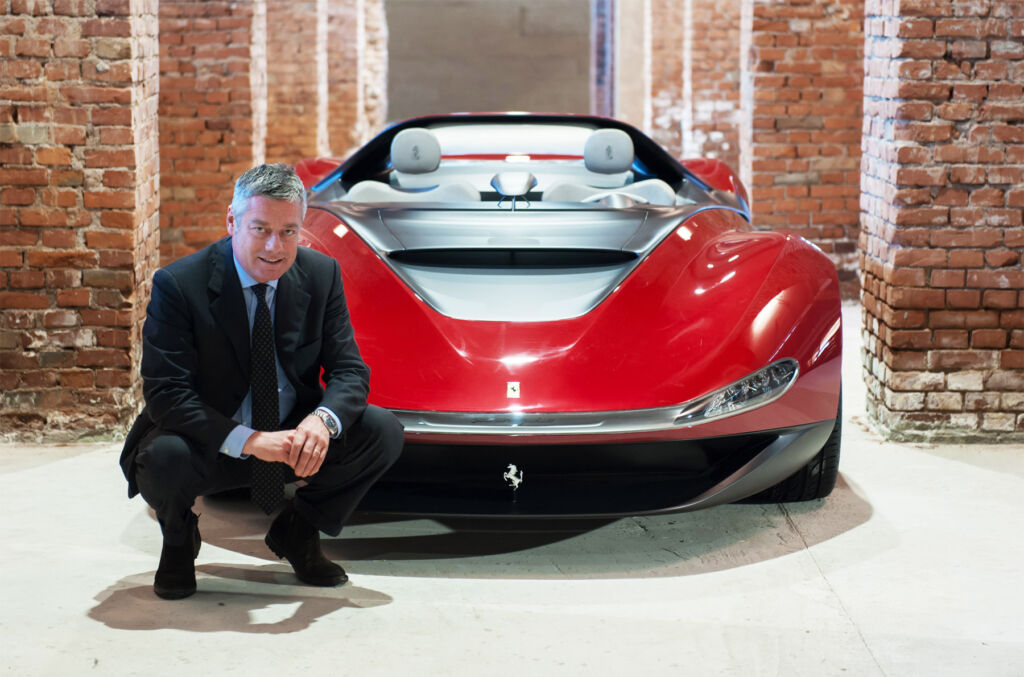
(278, 181)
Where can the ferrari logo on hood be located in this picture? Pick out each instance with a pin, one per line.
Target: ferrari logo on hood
(512, 390)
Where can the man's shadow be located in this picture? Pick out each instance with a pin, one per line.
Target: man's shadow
(233, 598)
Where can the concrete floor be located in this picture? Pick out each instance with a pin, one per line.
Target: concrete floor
(911, 567)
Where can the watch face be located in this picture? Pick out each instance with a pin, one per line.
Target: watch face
(328, 421)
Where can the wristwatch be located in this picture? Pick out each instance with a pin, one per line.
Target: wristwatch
(332, 426)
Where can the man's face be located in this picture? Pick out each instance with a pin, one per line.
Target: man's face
(265, 238)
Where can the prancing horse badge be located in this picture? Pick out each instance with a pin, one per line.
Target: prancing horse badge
(512, 390)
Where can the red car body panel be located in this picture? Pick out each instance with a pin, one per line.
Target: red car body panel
(694, 339)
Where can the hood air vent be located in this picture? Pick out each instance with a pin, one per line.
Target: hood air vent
(513, 258)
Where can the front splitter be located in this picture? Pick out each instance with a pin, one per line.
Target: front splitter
(593, 480)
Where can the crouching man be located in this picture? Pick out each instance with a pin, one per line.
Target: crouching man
(234, 342)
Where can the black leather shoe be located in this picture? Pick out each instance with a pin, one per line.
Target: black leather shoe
(176, 575)
(293, 538)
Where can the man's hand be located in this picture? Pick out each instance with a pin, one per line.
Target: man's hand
(309, 446)
(270, 446)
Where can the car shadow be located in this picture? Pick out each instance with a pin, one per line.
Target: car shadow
(262, 599)
(678, 544)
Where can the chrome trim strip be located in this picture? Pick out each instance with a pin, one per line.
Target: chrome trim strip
(676, 417)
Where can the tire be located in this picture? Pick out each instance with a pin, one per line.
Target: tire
(814, 480)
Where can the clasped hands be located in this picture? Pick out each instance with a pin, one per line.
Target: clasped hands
(303, 449)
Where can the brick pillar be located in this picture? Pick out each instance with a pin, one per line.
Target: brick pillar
(78, 236)
(357, 67)
(943, 170)
(296, 80)
(212, 114)
(803, 121)
(669, 41)
(346, 33)
(374, 67)
(602, 57)
(695, 78)
(712, 64)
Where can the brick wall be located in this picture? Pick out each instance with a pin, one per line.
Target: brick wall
(296, 80)
(212, 114)
(78, 202)
(943, 283)
(803, 121)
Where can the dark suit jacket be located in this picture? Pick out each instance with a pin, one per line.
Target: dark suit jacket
(195, 350)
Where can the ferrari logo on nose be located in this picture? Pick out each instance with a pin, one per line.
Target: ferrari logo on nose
(512, 390)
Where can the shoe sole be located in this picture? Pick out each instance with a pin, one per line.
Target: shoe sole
(319, 582)
(173, 593)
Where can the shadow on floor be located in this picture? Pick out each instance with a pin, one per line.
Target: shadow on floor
(679, 544)
(231, 598)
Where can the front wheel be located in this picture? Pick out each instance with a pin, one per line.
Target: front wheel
(814, 480)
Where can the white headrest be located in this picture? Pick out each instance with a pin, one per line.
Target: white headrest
(415, 151)
(608, 151)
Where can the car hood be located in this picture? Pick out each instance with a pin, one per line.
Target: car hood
(529, 265)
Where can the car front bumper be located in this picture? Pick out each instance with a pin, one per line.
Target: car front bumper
(593, 477)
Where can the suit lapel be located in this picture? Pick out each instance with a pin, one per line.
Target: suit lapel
(227, 303)
(289, 311)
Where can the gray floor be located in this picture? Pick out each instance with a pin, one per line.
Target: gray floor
(911, 567)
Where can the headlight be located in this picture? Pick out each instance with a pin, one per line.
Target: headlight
(755, 390)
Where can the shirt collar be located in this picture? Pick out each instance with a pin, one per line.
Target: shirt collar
(246, 279)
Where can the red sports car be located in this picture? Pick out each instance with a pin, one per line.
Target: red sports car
(569, 321)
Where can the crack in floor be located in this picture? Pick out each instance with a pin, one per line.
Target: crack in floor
(832, 590)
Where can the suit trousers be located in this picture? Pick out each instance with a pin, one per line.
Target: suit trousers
(170, 474)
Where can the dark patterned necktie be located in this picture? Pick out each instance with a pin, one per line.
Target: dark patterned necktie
(267, 478)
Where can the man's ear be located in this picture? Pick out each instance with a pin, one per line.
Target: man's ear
(231, 221)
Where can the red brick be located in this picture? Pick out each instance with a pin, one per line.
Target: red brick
(996, 279)
(988, 338)
(998, 258)
(963, 298)
(10, 258)
(25, 279)
(73, 297)
(76, 378)
(23, 300)
(962, 359)
(53, 156)
(61, 259)
(60, 318)
(109, 240)
(17, 196)
(113, 378)
(910, 297)
(59, 239)
(947, 278)
(23, 177)
(102, 357)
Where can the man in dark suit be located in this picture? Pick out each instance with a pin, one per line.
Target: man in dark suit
(234, 342)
